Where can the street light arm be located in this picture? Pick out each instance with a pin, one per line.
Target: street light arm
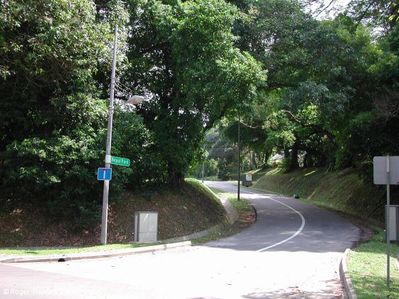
(135, 100)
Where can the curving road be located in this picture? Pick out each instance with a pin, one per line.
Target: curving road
(287, 224)
(292, 251)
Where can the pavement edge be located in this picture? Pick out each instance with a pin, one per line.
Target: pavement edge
(344, 276)
(93, 255)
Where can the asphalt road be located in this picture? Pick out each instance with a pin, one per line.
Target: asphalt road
(292, 251)
(307, 227)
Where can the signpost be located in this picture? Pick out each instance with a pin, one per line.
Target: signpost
(134, 100)
(386, 172)
(104, 213)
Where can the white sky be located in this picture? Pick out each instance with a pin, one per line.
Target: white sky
(331, 11)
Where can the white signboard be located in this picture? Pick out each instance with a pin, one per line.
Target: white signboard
(248, 177)
(381, 167)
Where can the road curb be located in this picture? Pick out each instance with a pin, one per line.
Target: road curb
(93, 255)
(344, 276)
(196, 235)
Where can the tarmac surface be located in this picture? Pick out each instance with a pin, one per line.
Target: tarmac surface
(292, 251)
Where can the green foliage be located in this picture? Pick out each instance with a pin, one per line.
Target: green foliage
(131, 139)
(184, 54)
(339, 190)
(54, 70)
(223, 172)
(210, 167)
(383, 13)
(58, 171)
(52, 117)
(323, 77)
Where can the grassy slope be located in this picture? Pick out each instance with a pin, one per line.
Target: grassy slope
(342, 191)
(181, 211)
(246, 215)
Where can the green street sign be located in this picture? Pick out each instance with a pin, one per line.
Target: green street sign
(120, 161)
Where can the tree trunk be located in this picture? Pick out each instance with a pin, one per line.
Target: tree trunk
(294, 158)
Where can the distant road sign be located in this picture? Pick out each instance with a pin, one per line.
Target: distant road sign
(120, 161)
(104, 174)
(380, 170)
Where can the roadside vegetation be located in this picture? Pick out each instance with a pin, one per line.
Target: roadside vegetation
(194, 208)
(241, 205)
(368, 272)
(342, 190)
(246, 217)
(180, 212)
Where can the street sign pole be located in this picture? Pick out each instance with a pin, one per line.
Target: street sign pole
(386, 172)
(387, 219)
(104, 216)
(203, 171)
(239, 158)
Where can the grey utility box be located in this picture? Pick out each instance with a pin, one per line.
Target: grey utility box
(146, 227)
(248, 180)
(393, 222)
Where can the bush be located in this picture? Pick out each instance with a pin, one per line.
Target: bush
(59, 172)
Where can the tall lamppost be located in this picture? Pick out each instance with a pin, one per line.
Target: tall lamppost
(133, 100)
(239, 157)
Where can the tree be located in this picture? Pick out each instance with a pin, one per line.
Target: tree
(321, 75)
(52, 130)
(383, 13)
(183, 54)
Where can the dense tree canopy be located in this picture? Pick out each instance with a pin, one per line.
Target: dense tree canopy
(182, 53)
(332, 93)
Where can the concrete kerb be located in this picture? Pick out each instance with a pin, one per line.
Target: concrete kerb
(344, 275)
(92, 255)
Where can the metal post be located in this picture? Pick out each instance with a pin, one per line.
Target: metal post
(387, 219)
(203, 171)
(104, 216)
(239, 158)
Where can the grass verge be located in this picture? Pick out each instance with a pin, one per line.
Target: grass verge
(241, 205)
(66, 250)
(367, 269)
(199, 186)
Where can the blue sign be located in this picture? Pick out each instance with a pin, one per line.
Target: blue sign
(104, 174)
